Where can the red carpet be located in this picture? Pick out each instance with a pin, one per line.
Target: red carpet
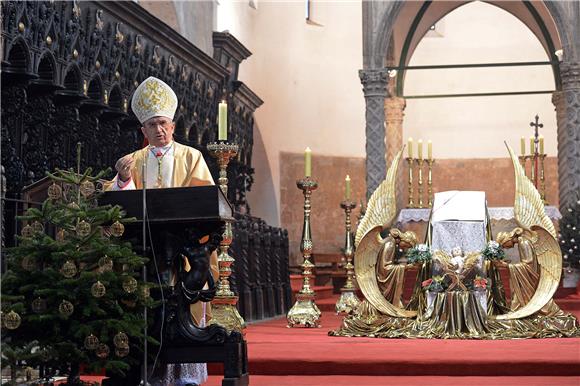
(298, 356)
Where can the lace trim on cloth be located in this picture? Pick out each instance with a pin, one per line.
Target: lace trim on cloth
(181, 374)
(498, 213)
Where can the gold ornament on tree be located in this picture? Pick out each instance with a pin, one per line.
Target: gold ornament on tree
(98, 289)
(117, 229)
(54, 191)
(37, 227)
(105, 264)
(60, 235)
(39, 305)
(66, 308)
(74, 206)
(83, 228)
(102, 351)
(122, 351)
(91, 342)
(87, 188)
(69, 269)
(145, 292)
(121, 340)
(26, 231)
(28, 263)
(130, 284)
(12, 320)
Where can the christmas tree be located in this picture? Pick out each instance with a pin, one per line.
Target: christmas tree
(570, 235)
(71, 294)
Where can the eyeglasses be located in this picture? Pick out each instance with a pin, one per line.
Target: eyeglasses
(166, 124)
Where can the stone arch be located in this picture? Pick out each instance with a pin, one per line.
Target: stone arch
(18, 58)
(73, 79)
(558, 22)
(46, 70)
(116, 97)
(95, 89)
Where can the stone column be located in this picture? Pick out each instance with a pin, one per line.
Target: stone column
(374, 83)
(394, 113)
(567, 104)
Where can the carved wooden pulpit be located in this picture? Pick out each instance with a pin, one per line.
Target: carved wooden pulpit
(179, 221)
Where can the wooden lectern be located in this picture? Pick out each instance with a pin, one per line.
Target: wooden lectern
(179, 219)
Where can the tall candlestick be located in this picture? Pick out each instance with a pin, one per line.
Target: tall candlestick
(420, 149)
(541, 144)
(223, 121)
(429, 150)
(410, 147)
(307, 162)
(347, 187)
(532, 147)
(523, 145)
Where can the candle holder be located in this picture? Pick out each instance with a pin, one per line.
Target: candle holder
(523, 159)
(542, 178)
(410, 161)
(420, 162)
(348, 300)
(430, 163)
(224, 311)
(304, 312)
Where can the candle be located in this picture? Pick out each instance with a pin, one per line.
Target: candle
(223, 121)
(410, 147)
(420, 149)
(307, 162)
(429, 150)
(347, 187)
(532, 147)
(541, 144)
(523, 146)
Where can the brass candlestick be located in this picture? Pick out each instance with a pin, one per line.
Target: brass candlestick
(542, 179)
(420, 182)
(411, 203)
(348, 300)
(523, 159)
(430, 163)
(224, 311)
(533, 169)
(304, 312)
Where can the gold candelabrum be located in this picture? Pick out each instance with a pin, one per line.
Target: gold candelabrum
(536, 174)
(348, 300)
(420, 202)
(304, 312)
(224, 311)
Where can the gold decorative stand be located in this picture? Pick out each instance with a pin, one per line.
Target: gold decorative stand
(411, 203)
(304, 312)
(348, 300)
(430, 162)
(224, 311)
(420, 162)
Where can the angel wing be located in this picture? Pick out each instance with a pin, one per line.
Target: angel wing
(365, 269)
(471, 260)
(444, 259)
(382, 206)
(528, 206)
(549, 258)
(530, 214)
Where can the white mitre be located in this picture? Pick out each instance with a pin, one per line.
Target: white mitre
(154, 98)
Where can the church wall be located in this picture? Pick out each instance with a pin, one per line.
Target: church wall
(495, 176)
(307, 74)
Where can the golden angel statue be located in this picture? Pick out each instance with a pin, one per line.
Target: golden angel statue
(458, 294)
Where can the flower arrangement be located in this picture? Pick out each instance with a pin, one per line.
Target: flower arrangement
(435, 284)
(493, 251)
(419, 254)
(479, 283)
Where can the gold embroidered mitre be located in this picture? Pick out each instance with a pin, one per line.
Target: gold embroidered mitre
(153, 98)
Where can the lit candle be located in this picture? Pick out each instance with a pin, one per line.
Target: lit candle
(420, 149)
(307, 162)
(429, 150)
(523, 146)
(410, 147)
(541, 144)
(347, 187)
(223, 121)
(532, 149)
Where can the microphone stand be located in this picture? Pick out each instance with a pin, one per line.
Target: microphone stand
(144, 272)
